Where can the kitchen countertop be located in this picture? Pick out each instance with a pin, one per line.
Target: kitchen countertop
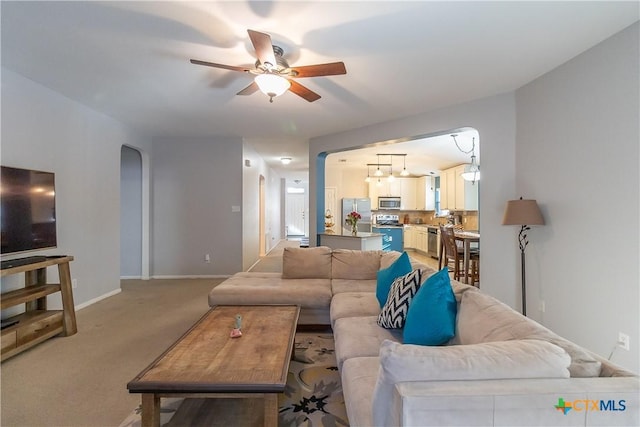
(360, 235)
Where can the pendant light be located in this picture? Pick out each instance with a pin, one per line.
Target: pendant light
(368, 178)
(404, 172)
(378, 172)
(473, 172)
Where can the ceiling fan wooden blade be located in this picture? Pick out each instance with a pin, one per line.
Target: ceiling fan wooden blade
(226, 67)
(264, 49)
(303, 91)
(252, 88)
(331, 69)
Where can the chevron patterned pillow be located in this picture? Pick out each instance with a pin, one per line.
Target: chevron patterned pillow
(403, 289)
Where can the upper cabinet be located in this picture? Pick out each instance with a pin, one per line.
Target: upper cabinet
(383, 188)
(414, 193)
(408, 200)
(455, 192)
(425, 193)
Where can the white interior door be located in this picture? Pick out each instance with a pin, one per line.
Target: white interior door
(295, 215)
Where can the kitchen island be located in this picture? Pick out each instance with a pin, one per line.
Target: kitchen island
(362, 241)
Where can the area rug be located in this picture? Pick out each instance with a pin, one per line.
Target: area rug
(312, 397)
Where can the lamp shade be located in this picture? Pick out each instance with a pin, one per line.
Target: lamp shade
(522, 212)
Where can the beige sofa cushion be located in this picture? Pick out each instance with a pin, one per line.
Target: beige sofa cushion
(353, 304)
(360, 337)
(240, 290)
(482, 318)
(359, 377)
(354, 264)
(306, 263)
(486, 361)
(339, 286)
(388, 258)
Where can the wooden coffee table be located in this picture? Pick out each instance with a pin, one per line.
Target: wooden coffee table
(206, 362)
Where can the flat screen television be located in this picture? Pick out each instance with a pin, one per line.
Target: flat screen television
(28, 210)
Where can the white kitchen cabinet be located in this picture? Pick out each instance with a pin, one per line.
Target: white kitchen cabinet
(448, 189)
(425, 193)
(459, 187)
(408, 201)
(383, 188)
(409, 237)
(455, 192)
(422, 239)
(444, 203)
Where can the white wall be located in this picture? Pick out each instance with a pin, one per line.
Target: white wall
(43, 130)
(130, 213)
(494, 118)
(577, 154)
(195, 184)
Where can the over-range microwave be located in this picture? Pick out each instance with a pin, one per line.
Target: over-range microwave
(386, 203)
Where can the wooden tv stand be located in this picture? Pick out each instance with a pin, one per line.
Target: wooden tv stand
(38, 324)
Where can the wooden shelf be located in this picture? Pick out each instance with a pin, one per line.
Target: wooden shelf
(38, 324)
(24, 295)
(52, 260)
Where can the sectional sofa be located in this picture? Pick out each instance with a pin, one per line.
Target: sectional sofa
(498, 367)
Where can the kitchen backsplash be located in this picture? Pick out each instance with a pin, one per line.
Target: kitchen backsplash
(469, 218)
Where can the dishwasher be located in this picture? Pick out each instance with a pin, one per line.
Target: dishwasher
(432, 242)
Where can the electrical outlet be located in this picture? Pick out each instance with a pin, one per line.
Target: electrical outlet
(207, 258)
(623, 341)
(74, 283)
(542, 307)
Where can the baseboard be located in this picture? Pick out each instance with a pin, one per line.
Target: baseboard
(130, 277)
(195, 276)
(95, 300)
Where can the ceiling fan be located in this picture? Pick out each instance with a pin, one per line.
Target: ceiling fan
(273, 74)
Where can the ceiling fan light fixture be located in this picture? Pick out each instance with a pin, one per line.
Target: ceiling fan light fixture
(272, 85)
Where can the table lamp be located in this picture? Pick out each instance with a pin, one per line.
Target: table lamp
(524, 213)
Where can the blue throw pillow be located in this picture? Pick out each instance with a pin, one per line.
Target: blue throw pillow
(431, 319)
(399, 268)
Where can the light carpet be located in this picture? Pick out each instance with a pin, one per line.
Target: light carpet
(312, 397)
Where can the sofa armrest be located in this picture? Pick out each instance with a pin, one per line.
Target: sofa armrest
(517, 402)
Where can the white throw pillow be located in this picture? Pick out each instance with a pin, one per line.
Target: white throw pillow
(485, 361)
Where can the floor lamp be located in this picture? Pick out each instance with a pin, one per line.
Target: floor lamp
(523, 213)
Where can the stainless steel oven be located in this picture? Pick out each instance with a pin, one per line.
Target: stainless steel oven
(388, 203)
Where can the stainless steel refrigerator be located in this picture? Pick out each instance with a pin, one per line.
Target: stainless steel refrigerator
(363, 207)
